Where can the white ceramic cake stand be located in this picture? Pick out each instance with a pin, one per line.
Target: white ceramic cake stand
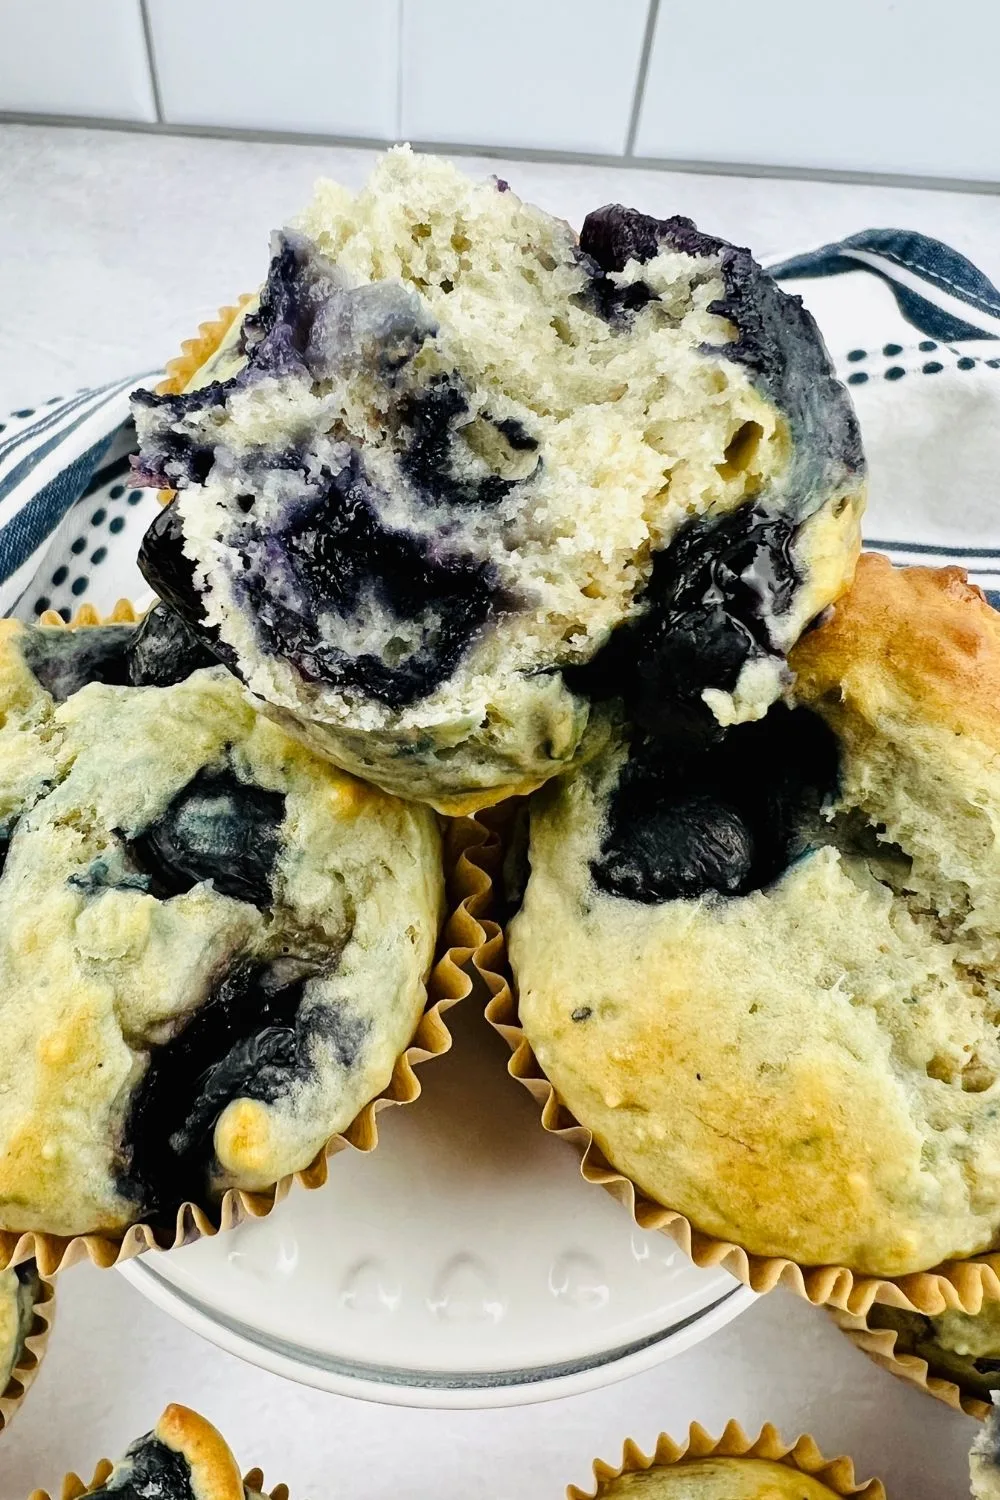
(464, 1263)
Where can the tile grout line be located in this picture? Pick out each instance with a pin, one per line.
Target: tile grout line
(912, 181)
(640, 80)
(399, 69)
(147, 32)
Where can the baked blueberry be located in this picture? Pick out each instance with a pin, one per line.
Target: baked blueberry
(183, 1458)
(162, 650)
(454, 478)
(787, 944)
(213, 943)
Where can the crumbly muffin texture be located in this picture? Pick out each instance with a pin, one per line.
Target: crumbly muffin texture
(961, 1347)
(213, 944)
(984, 1460)
(455, 476)
(717, 1479)
(768, 979)
(183, 1458)
(18, 1293)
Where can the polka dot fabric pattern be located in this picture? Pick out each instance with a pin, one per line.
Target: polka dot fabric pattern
(92, 553)
(56, 458)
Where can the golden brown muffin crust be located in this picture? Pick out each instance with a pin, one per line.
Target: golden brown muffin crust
(717, 1479)
(922, 637)
(810, 1069)
(215, 1474)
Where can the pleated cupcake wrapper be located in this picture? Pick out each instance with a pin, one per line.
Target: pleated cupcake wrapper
(803, 1456)
(880, 1345)
(959, 1284)
(73, 1486)
(447, 985)
(31, 1356)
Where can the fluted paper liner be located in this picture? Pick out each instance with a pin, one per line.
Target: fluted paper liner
(447, 984)
(958, 1284)
(803, 1455)
(194, 352)
(31, 1355)
(73, 1486)
(880, 1345)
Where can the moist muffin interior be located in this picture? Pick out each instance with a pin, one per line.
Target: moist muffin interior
(455, 475)
(213, 946)
(810, 1063)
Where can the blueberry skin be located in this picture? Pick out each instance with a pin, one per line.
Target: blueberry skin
(157, 652)
(706, 611)
(254, 1038)
(729, 819)
(164, 650)
(167, 1147)
(64, 661)
(681, 847)
(166, 569)
(217, 828)
(151, 1470)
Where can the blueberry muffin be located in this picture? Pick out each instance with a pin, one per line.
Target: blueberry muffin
(963, 1348)
(767, 978)
(717, 1479)
(984, 1461)
(213, 944)
(455, 476)
(183, 1458)
(20, 1289)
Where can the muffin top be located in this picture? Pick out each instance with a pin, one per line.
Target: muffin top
(767, 978)
(456, 476)
(213, 944)
(183, 1458)
(717, 1479)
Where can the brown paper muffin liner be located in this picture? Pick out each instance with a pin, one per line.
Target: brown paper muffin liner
(958, 1284)
(880, 1345)
(802, 1456)
(32, 1354)
(447, 984)
(73, 1486)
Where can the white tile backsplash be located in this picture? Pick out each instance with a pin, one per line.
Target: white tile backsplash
(550, 74)
(75, 57)
(862, 85)
(327, 66)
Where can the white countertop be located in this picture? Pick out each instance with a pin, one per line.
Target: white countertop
(112, 248)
